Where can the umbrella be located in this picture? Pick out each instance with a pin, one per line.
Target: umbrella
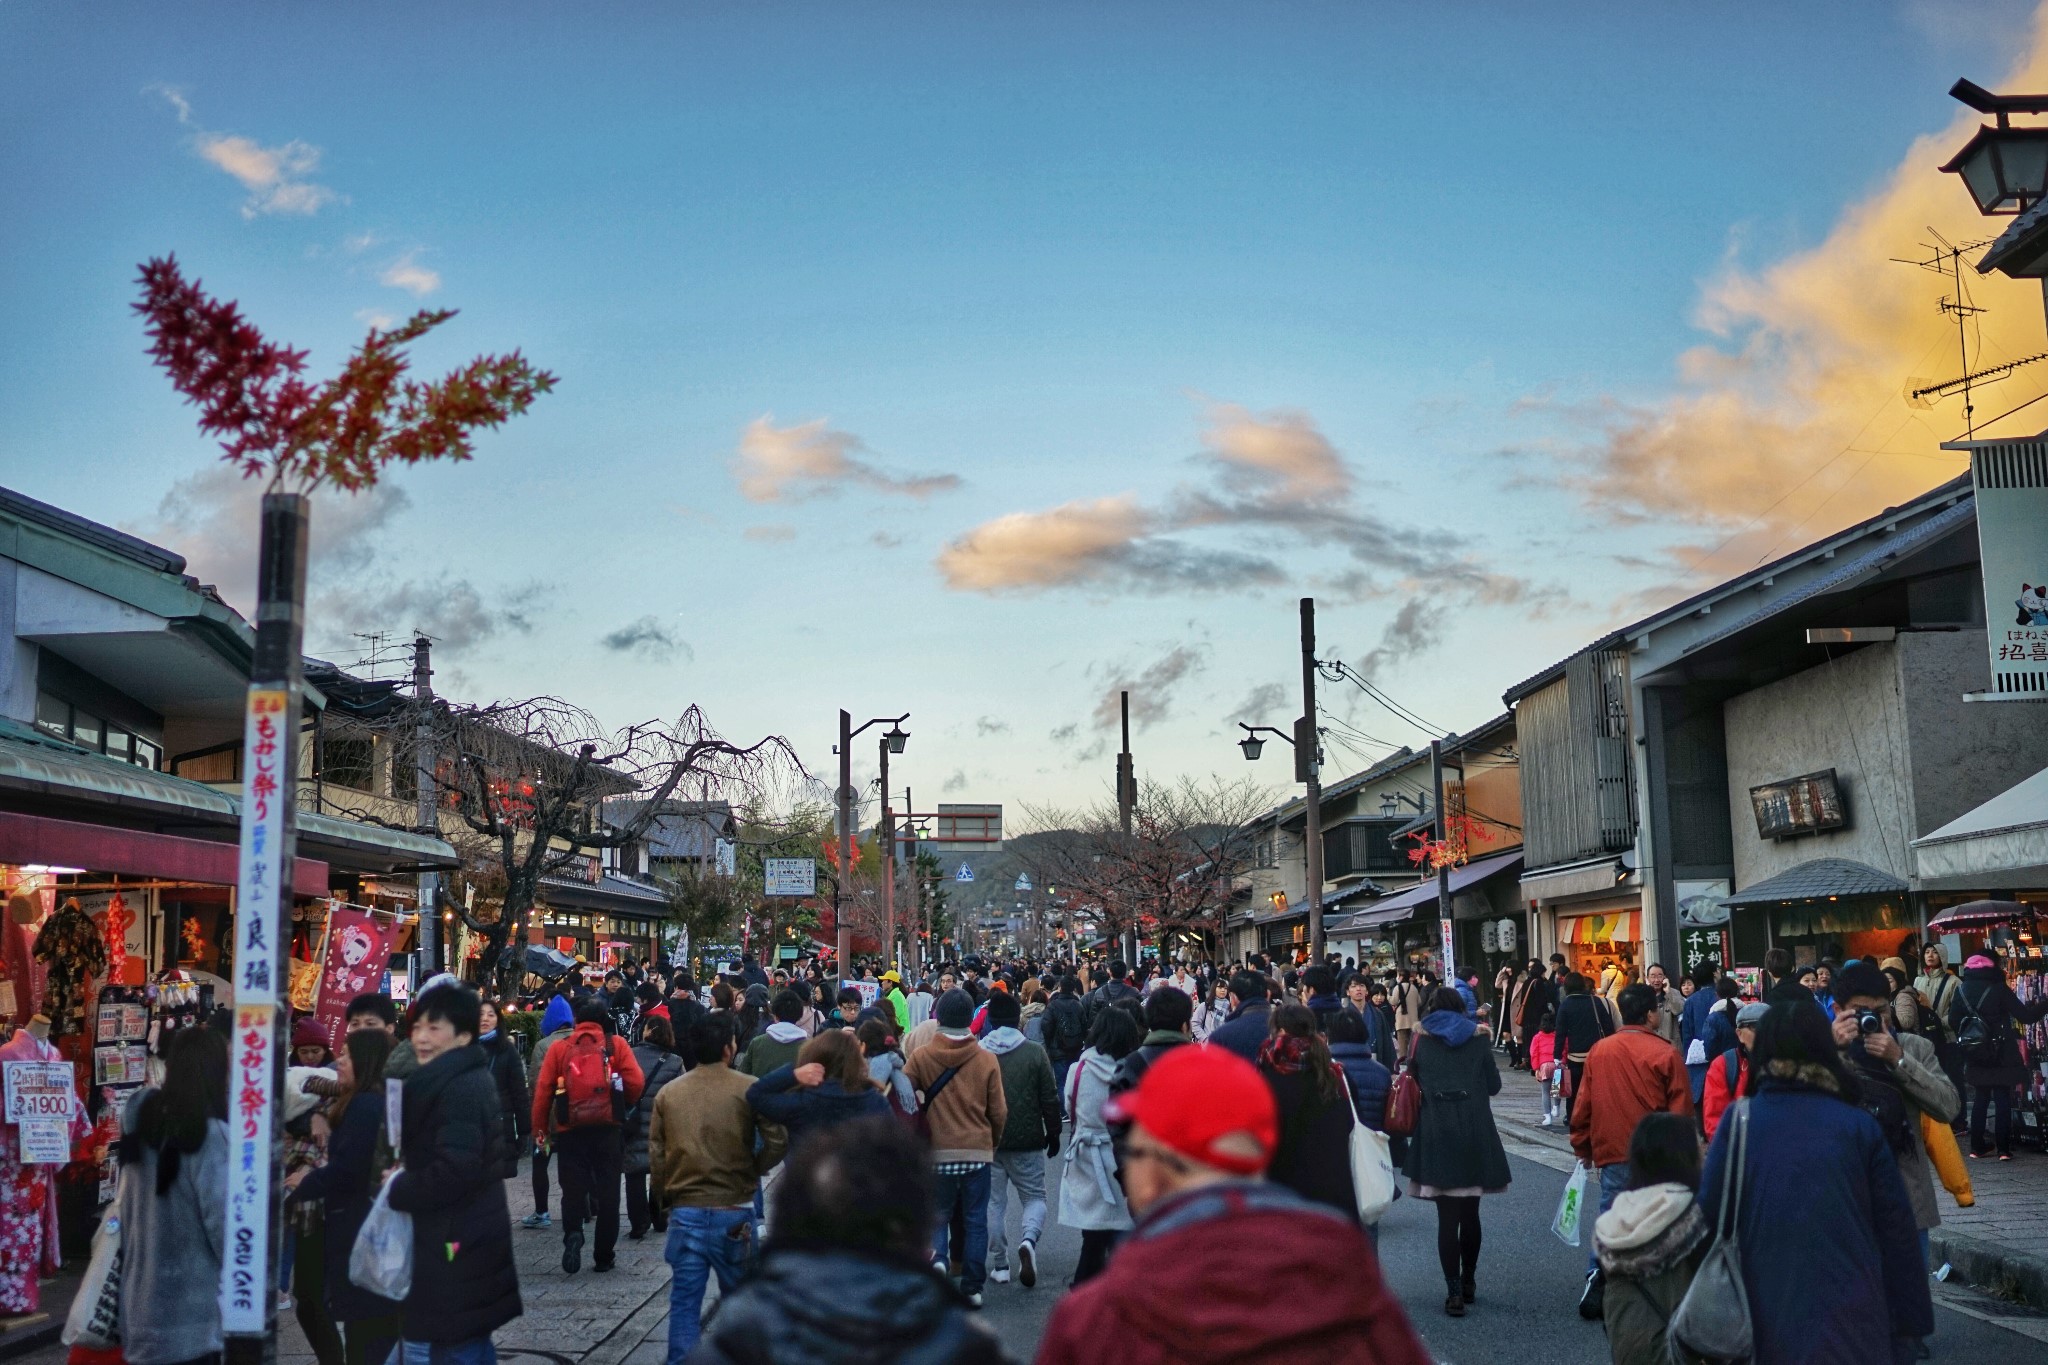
(1977, 914)
(548, 963)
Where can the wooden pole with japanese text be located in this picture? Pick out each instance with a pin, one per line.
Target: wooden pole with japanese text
(256, 1062)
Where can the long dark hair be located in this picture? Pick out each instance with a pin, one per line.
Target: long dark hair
(173, 1119)
(1299, 1021)
(368, 1050)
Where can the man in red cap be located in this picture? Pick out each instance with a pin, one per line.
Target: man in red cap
(1180, 1289)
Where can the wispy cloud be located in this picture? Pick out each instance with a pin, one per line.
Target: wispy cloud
(1152, 687)
(955, 782)
(278, 178)
(1416, 628)
(790, 464)
(1790, 421)
(408, 274)
(1268, 474)
(989, 725)
(1262, 701)
(771, 533)
(647, 638)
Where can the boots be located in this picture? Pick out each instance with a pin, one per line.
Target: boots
(1454, 1300)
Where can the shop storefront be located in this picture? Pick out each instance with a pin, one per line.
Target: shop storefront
(602, 918)
(1825, 910)
(1596, 941)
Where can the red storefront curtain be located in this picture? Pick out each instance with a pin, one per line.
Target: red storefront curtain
(101, 848)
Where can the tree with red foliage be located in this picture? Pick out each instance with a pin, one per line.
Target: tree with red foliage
(251, 392)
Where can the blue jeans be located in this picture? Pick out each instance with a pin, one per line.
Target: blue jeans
(1613, 1180)
(475, 1351)
(973, 1190)
(702, 1243)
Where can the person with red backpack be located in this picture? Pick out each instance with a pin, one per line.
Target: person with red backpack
(588, 1082)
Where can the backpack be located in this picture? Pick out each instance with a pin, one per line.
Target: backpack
(1731, 1062)
(584, 1097)
(1981, 1042)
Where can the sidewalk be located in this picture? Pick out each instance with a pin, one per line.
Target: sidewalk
(2000, 1244)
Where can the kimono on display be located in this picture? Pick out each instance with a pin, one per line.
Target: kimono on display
(28, 1200)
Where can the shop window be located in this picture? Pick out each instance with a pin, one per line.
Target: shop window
(53, 715)
(85, 729)
(348, 762)
(120, 744)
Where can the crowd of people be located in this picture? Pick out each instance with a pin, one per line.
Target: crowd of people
(841, 1157)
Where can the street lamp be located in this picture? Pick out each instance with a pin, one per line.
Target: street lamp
(1252, 745)
(2004, 168)
(894, 739)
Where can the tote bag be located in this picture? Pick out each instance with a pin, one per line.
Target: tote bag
(1372, 1167)
(95, 1318)
(1712, 1321)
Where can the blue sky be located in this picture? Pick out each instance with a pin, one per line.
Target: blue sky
(1217, 305)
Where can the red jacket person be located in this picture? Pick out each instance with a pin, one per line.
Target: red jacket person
(1180, 1289)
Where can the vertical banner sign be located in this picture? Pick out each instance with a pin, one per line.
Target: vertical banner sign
(1450, 963)
(2011, 479)
(358, 949)
(259, 961)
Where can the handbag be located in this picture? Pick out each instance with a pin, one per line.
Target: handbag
(1404, 1105)
(1712, 1321)
(1372, 1166)
(95, 1318)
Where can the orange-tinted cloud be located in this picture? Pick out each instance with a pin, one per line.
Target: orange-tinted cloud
(1792, 422)
(790, 464)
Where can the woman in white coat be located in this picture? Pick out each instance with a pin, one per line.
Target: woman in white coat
(1091, 1199)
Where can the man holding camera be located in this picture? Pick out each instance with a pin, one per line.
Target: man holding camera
(1894, 1064)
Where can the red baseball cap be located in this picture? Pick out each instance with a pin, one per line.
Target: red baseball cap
(1195, 1096)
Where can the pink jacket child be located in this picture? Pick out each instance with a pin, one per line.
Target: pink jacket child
(1542, 1054)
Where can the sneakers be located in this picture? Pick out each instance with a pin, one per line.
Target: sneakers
(1548, 1120)
(572, 1253)
(974, 1299)
(1593, 1303)
(537, 1220)
(1027, 1264)
(999, 1275)
(939, 1265)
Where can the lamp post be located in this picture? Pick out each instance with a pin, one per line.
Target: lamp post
(891, 742)
(894, 740)
(1308, 762)
(2004, 168)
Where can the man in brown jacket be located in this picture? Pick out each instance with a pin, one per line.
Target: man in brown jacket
(1629, 1073)
(960, 1092)
(701, 1156)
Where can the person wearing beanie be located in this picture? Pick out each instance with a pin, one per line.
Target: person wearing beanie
(1987, 1020)
(960, 1092)
(1030, 1136)
(1728, 1074)
(1202, 1129)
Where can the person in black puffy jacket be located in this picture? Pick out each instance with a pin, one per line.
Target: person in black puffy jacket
(656, 1053)
(1368, 1078)
(508, 1073)
(844, 1276)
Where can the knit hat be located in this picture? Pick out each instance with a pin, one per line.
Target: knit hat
(1979, 960)
(1003, 1010)
(307, 1033)
(1859, 978)
(954, 1010)
(1204, 1103)
(1752, 1014)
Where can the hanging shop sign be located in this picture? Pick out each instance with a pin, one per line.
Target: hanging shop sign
(1506, 933)
(1701, 946)
(790, 876)
(1699, 903)
(1799, 805)
(2011, 482)
(1609, 927)
(358, 950)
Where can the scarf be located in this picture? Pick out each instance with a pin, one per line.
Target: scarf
(1453, 1027)
(1285, 1053)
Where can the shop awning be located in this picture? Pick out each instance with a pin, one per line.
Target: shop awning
(1398, 907)
(355, 846)
(1820, 879)
(37, 765)
(1613, 926)
(2006, 835)
(1573, 879)
(134, 853)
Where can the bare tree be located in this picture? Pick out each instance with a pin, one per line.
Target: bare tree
(1176, 872)
(529, 780)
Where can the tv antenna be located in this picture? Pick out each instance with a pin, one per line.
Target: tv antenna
(1946, 260)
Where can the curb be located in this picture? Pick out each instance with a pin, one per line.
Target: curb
(1991, 1267)
(26, 1340)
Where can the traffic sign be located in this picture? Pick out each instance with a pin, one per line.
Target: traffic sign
(1023, 881)
(965, 874)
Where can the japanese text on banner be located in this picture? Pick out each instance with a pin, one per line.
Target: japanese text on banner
(244, 1276)
(265, 872)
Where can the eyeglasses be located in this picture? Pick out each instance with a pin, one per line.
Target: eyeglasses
(1135, 1151)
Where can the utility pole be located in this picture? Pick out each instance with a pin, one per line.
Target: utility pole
(264, 878)
(888, 852)
(1308, 759)
(1126, 804)
(423, 764)
(1443, 872)
(844, 936)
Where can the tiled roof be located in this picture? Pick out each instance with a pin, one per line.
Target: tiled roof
(1817, 880)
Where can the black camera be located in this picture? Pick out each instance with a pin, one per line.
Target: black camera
(1870, 1021)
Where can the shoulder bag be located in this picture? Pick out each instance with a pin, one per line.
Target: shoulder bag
(1712, 1321)
(1372, 1164)
(1404, 1104)
(921, 1121)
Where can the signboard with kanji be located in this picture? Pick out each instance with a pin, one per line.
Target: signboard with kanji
(790, 876)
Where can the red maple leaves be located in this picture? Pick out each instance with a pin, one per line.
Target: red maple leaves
(252, 394)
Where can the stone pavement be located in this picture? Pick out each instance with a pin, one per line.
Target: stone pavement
(2000, 1244)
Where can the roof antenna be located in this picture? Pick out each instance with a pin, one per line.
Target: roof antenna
(1946, 260)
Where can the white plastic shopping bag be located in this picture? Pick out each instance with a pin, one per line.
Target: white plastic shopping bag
(1571, 1205)
(381, 1259)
